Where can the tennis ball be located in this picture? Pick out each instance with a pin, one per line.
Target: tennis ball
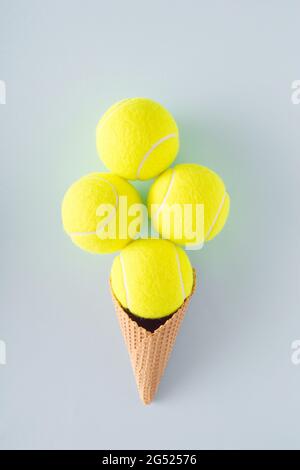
(98, 213)
(152, 278)
(137, 138)
(188, 204)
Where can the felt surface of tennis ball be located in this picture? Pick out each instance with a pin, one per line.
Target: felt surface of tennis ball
(188, 184)
(137, 138)
(85, 224)
(152, 278)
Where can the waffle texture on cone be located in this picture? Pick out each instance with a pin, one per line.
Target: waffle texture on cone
(149, 351)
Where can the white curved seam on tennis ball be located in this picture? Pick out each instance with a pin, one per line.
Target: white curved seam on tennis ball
(113, 111)
(166, 195)
(154, 146)
(179, 273)
(94, 232)
(216, 216)
(124, 280)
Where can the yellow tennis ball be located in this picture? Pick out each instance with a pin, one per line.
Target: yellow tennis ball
(137, 138)
(188, 204)
(98, 213)
(152, 278)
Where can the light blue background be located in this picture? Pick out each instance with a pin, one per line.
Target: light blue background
(224, 69)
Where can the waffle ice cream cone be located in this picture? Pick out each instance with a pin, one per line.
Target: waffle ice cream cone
(150, 351)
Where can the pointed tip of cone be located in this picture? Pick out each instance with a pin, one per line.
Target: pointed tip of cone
(147, 396)
(146, 402)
